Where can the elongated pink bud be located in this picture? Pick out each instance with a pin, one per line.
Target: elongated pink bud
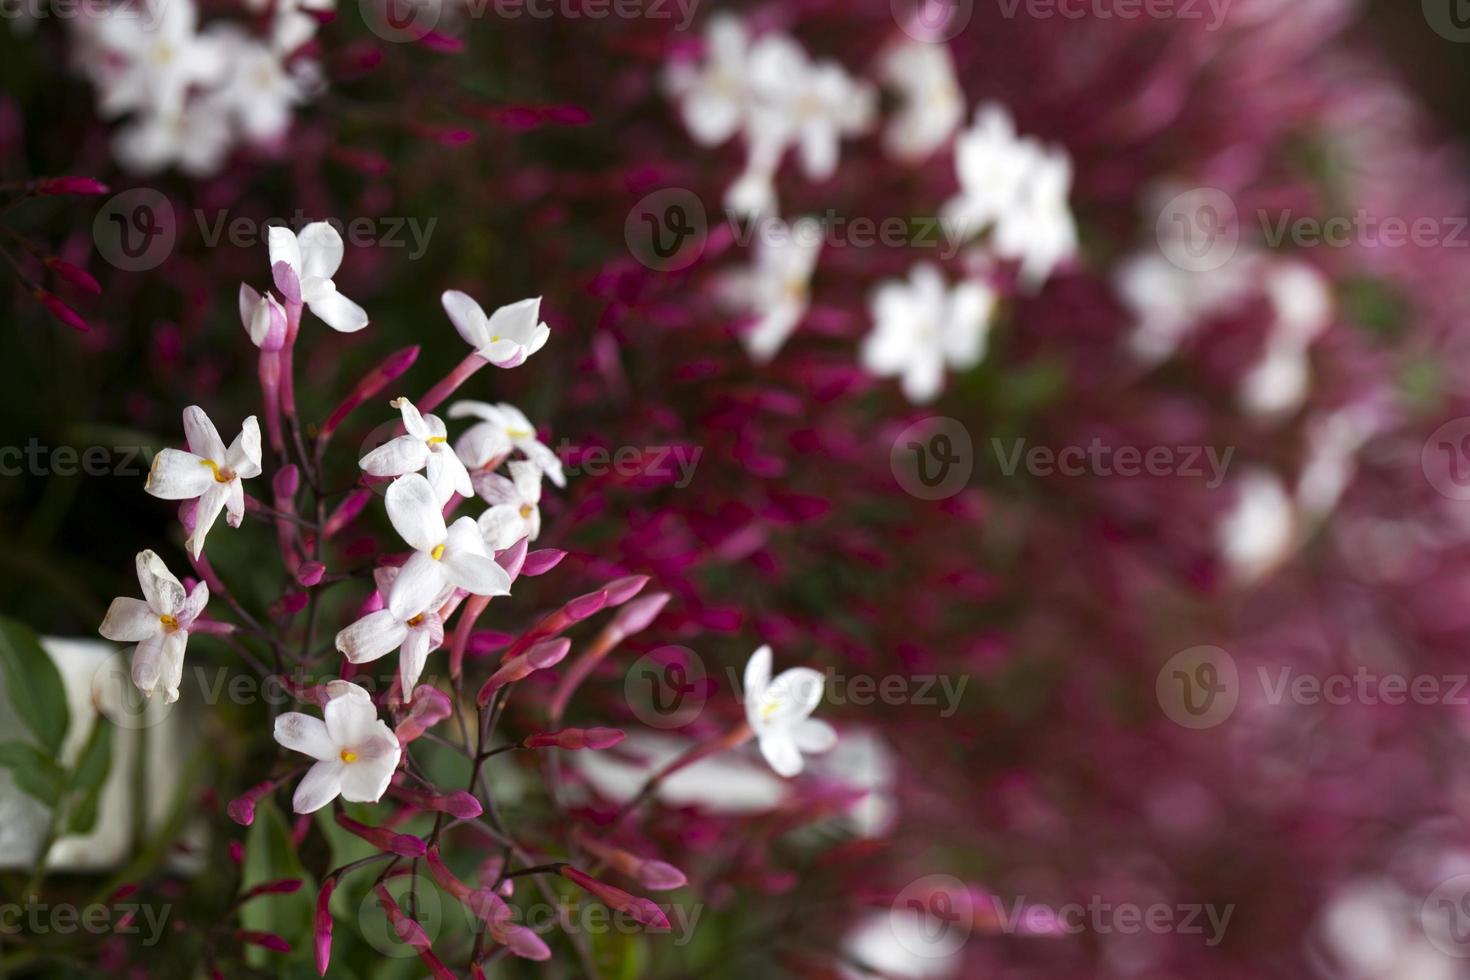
(404, 845)
(430, 706)
(407, 929)
(322, 926)
(541, 655)
(458, 804)
(347, 511)
(283, 886)
(568, 615)
(373, 382)
(85, 186)
(541, 561)
(450, 382)
(576, 738)
(266, 940)
(63, 313)
(242, 808)
(632, 618)
(310, 573)
(78, 277)
(641, 910)
(651, 874)
(621, 590)
(513, 559)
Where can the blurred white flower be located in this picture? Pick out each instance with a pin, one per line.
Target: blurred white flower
(1260, 530)
(776, 287)
(779, 713)
(931, 104)
(921, 326)
(503, 427)
(380, 632)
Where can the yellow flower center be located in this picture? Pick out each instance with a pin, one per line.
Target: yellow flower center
(435, 440)
(437, 553)
(525, 511)
(220, 475)
(348, 755)
(416, 621)
(519, 433)
(169, 623)
(770, 708)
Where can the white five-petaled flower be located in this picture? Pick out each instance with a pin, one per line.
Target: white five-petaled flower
(505, 338)
(314, 256)
(442, 556)
(779, 713)
(812, 104)
(159, 623)
(776, 287)
(922, 325)
(208, 471)
(147, 56)
(1016, 186)
(424, 447)
(379, 632)
(932, 106)
(712, 97)
(515, 510)
(503, 427)
(356, 753)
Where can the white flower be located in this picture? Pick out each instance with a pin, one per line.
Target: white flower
(712, 98)
(921, 326)
(504, 427)
(424, 447)
(813, 104)
(1019, 188)
(146, 57)
(196, 137)
(779, 713)
(1170, 303)
(1302, 302)
(159, 623)
(931, 105)
(207, 471)
(1260, 531)
(454, 556)
(257, 90)
(515, 512)
(505, 339)
(776, 288)
(356, 752)
(314, 256)
(379, 632)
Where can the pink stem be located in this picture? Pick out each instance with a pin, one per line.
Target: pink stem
(451, 381)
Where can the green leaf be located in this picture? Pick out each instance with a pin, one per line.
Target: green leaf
(270, 855)
(34, 773)
(33, 685)
(89, 775)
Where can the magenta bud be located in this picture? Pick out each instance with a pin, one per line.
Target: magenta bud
(86, 186)
(242, 811)
(576, 738)
(310, 573)
(285, 886)
(265, 940)
(287, 283)
(404, 845)
(638, 614)
(463, 805)
(63, 313)
(430, 706)
(641, 909)
(660, 876)
(548, 653)
(542, 561)
(621, 590)
(78, 277)
(583, 606)
(237, 852)
(322, 927)
(513, 559)
(286, 482)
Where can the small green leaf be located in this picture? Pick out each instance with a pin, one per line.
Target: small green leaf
(34, 773)
(89, 776)
(33, 685)
(269, 856)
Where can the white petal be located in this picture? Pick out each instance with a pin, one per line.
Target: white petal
(249, 301)
(321, 251)
(781, 752)
(526, 476)
(496, 489)
(307, 735)
(367, 779)
(418, 582)
(210, 504)
(814, 736)
(201, 435)
(285, 248)
(350, 719)
(163, 592)
(757, 674)
(482, 443)
(467, 567)
(516, 321)
(414, 511)
(468, 318)
(404, 454)
(792, 697)
(177, 475)
(411, 660)
(234, 503)
(371, 637)
(194, 604)
(502, 526)
(447, 475)
(338, 312)
(171, 663)
(413, 422)
(129, 621)
(243, 456)
(321, 785)
(148, 664)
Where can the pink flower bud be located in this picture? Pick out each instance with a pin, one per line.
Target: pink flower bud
(404, 845)
(371, 384)
(458, 804)
(576, 738)
(347, 511)
(651, 874)
(430, 706)
(310, 573)
(621, 590)
(513, 559)
(266, 940)
(541, 561)
(286, 482)
(85, 186)
(636, 616)
(63, 313)
(541, 655)
(78, 277)
(237, 852)
(242, 808)
(640, 909)
(284, 886)
(322, 927)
